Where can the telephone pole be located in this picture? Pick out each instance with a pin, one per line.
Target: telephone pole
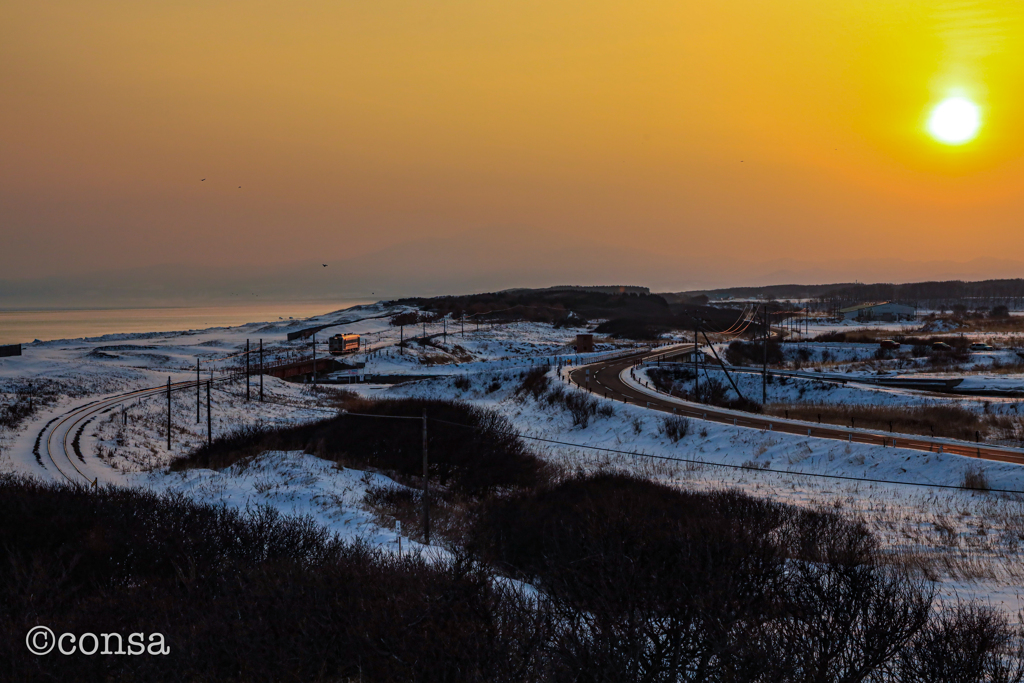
(696, 371)
(209, 420)
(426, 485)
(248, 396)
(764, 368)
(168, 413)
(261, 371)
(198, 418)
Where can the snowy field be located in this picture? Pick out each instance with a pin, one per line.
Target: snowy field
(971, 542)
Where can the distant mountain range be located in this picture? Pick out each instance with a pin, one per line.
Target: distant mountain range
(471, 262)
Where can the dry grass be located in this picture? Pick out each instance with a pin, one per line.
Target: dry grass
(950, 421)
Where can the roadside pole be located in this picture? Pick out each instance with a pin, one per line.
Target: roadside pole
(209, 420)
(314, 358)
(248, 396)
(198, 418)
(764, 355)
(696, 371)
(261, 371)
(168, 413)
(426, 485)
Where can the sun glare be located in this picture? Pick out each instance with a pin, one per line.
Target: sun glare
(954, 121)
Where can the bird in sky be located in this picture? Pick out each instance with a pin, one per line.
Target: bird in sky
(202, 180)
(325, 265)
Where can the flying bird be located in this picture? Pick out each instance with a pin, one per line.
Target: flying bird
(202, 180)
(325, 265)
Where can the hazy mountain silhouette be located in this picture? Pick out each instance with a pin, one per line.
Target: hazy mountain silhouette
(470, 262)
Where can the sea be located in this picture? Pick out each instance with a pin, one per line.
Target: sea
(24, 326)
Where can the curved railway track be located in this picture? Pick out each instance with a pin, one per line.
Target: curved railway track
(57, 445)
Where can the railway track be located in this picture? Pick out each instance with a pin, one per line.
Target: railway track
(57, 446)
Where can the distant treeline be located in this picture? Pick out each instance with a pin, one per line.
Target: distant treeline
(934, 295)
(628, 315)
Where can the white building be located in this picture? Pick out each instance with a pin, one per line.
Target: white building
(886, 311)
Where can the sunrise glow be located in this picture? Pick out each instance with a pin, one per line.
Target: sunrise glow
(955, 121)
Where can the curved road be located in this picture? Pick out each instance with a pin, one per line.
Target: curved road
(603, 379)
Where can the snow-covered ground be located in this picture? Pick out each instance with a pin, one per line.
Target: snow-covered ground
(972, 542)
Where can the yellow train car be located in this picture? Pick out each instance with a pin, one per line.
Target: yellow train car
(340, 344)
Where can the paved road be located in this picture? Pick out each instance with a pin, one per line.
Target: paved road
(602, 379)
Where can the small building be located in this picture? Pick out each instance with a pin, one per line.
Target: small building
(885, 311)
(584, 343)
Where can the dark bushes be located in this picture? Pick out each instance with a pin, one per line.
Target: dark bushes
(240, 596)
(657, 584)
(752, 353)
(484, 455)
(534, 382)
(678, 381)
(638, 582)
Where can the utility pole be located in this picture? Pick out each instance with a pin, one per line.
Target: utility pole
(168, 413)
(248, 396)
(314, 358)
(198, 418)
(209, 420)
(444, 322)
(401, 338)
(463, 320)
(764, 368)
(696, 371)
(261, 371)
(426, 485)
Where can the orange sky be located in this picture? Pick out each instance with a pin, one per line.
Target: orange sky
(732, 129)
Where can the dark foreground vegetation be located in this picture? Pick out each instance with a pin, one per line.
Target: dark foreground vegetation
(632, 581)
(678, 381)
(483, 455)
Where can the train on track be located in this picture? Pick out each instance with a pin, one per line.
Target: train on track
(341, 344)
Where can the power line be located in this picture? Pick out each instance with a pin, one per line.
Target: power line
(342, 412)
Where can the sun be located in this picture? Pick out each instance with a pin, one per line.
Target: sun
(954, 121)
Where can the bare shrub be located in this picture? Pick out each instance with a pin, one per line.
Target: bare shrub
(675, 427)
(968, 642)
(534, 382)
(975, 478)
(462, 383)
(637, 423)
(581, 407)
